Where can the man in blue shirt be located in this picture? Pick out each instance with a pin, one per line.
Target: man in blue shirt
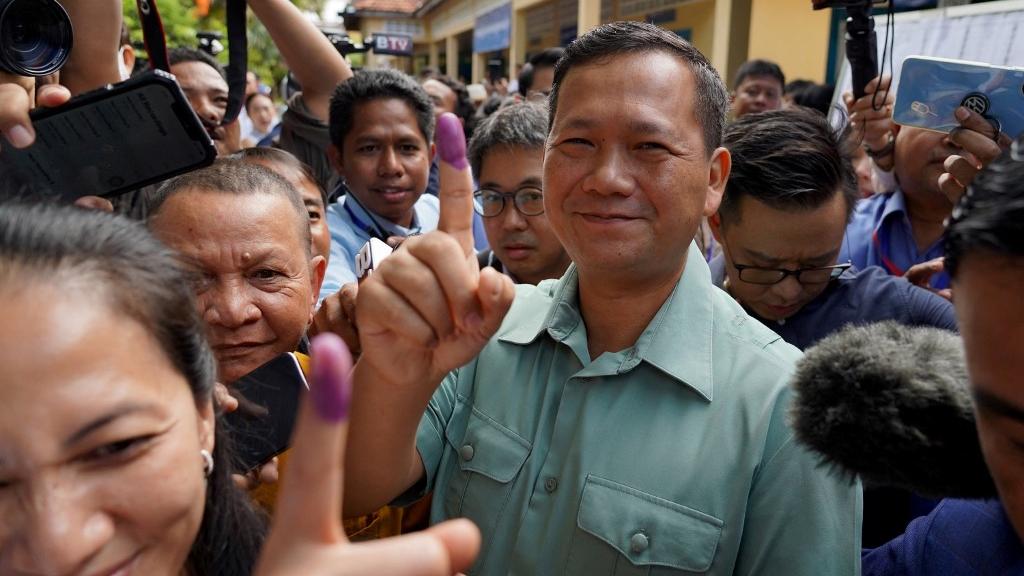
(381, 129)
(780, 224)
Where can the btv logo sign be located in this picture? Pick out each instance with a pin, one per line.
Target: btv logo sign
(394, 44)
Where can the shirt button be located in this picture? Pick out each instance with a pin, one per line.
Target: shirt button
(639, 542)
(551, 484)
(467, 452)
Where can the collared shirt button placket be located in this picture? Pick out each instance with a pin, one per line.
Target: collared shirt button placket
(550, 484)
(638, 543)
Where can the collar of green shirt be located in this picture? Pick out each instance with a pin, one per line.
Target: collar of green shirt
(677, 341)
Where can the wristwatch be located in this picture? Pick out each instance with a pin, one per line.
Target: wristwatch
(883, 151)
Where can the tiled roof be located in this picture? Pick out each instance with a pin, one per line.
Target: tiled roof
(397, 6)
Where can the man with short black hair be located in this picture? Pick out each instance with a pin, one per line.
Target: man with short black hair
(759, 87)
(382, 130)
(507, 157)
(781, 225)
(538, 74)
(626, 418)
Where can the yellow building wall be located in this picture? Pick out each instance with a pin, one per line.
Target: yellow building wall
(793, 35)
(698, 16)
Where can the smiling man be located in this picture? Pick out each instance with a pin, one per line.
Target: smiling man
(627, 418)
(381, 127)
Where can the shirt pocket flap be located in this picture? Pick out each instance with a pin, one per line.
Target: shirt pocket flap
(648, 530)
(490, 449)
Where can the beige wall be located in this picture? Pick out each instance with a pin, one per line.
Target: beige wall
(801, 49)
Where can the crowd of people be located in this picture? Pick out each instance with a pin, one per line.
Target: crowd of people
(577, 359)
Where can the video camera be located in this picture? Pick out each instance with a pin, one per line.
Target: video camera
(391, 44)
(35, 37)
(861, 41)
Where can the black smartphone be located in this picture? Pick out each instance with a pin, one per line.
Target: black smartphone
(268, 404)
(114, 140)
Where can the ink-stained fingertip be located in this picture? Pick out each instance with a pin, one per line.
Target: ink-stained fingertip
(331, 386)
(451, 141)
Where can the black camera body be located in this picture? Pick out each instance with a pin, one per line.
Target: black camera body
(861, 41)
(35, 37)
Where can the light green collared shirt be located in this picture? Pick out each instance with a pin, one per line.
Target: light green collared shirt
(670, 457)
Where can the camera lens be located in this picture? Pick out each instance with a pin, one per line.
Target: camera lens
(35, 36)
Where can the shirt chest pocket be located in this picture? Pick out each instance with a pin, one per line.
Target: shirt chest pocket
(487, 460)
(622, 531)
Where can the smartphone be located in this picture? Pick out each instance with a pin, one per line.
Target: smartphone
(114, 140)
(268, 404)
(931, 89)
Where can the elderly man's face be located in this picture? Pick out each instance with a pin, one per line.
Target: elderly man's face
(990, 312)
(256, 283)
(626, 175)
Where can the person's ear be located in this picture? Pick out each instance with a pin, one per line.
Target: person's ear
(317, 268)
(207, 425)
(128, 57)
(720, 166)
(335, 159)
(433, 152)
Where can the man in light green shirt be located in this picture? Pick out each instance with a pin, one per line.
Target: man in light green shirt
(628, 418)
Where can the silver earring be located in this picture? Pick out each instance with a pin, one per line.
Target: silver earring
(207, 462)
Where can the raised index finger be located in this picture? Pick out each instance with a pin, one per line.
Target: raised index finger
(309, 504)
(456, 193)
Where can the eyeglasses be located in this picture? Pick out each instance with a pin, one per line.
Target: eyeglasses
(769, 276)
(529, 200)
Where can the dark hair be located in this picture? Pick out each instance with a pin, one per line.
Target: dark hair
(253, 96)
(126, 37)
(619, 38)
(816, 97)
(522, 125)
(547, 58)
(525, 79)
(759, 68)
(367, 85)
(464, 108)
(796, 86)
(181, 55)
(990, 216)
(788, 159)
(137, 276)
(284, 158)
(235, 176)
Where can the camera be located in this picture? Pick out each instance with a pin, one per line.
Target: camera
(861, 42)
(35, 37)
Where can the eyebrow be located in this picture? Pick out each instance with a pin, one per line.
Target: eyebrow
(775, 261)
(105, 420)
(997, 405)
(531, 181)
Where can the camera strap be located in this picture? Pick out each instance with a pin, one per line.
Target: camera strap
(238, 51)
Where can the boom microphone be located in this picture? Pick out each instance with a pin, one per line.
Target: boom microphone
(891, 403)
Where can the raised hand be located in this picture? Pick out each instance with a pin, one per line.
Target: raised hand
(17, 98)
(306, 536)
(429, 308)
(979, 143)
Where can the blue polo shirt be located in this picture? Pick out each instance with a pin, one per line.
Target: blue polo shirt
(879, 234)
(857, 297)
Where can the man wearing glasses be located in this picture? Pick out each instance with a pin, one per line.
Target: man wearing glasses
(507, 155)
(781, 225)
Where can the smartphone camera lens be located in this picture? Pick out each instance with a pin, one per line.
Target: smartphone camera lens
(35, 37)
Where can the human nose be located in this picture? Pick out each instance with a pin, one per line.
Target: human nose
(788, 289)
(609, 175)
(511, 217)
(61, 530)
(389, 164)
(229, 305)
(206, 110)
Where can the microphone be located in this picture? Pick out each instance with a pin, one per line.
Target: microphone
(891, 403)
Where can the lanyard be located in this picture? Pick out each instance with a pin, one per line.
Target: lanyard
(366, 227)
(238, 56)
(883, 251)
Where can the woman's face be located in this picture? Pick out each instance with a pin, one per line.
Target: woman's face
(100, 439)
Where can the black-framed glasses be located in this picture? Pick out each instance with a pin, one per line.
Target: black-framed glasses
(769, 276)
(529, 200)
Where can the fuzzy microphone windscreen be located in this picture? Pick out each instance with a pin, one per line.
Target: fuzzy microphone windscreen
(892, 404)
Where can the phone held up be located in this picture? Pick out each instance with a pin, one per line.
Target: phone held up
(931, 89)
(115, 139)
(268, 405)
